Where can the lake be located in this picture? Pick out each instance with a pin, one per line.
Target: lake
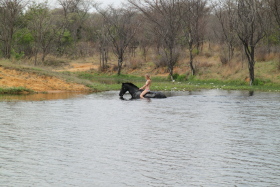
(202, 138)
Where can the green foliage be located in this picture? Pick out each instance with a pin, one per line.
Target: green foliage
(274, 38)
(191, 77)
(181, 78)
(195, 51)
(16, 55)
(278, 65)
(175, 76)
(84, 75)
(15, 90)
(67, 38)
(24, 37)
(260, 82)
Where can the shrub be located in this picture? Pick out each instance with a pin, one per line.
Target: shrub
(208, 54)
(17, 56)
(223, 60)
(135, 63)
(175, 76)
(278, 63)
(181, 78)
(55, 63)
(86, 76)
(160, 61)
(259, 82)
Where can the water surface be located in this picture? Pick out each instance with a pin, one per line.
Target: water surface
(205, 138)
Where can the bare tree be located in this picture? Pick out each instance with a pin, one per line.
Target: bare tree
(193, 20)
(121, 27)
(100, 33)
(41, 26)
(165, 21)
(225, 11)
(75, 14)
(274, 6)
(250, 27)
(10, 13)
(145, 38)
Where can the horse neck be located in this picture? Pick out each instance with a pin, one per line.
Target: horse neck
(132, 90)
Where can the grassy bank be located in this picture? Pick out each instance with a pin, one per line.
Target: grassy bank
(17, 90)
(103, 82)
(110, 81)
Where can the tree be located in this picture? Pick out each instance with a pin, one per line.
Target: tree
(225, 11)
(165, 21)
(274, 6)
(274, 9)
(193, 20)
(75, 14)
(121, 27)
(44, 31)
(10, 13)
(250, 27)
(99, 34)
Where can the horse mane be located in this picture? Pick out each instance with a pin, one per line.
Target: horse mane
(131, 84)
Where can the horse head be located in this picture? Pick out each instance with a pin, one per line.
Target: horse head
(123, 90)
(131, 88)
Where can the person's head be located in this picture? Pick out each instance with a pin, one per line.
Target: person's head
(147, 76)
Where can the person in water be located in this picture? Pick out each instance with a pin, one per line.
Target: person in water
(146, 87)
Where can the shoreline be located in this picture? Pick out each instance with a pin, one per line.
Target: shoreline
(20, 79)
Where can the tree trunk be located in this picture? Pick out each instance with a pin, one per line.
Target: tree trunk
(120, 61)
(252, 65)
(250, 53)
(191, 55)
(7, 50)
(44, 56)
(145, 53)
(35, 58)
(9, 44)
(252, 73)
(171, 72)
(230, 52)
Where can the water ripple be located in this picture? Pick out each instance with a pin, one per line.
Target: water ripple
(207, 138)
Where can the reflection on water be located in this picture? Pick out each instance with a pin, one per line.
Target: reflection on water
(39, 96)
(206, 138)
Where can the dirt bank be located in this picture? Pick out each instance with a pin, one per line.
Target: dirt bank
(39, 83)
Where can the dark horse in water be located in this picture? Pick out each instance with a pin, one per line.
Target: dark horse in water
(135, 92)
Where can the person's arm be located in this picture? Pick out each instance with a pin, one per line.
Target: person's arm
(142, 88)
(147, 83)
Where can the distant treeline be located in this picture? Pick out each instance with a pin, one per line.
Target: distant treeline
(169, 27)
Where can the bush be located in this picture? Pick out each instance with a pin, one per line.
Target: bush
(278, 63)
(55, 63)
(135, 63)
(223, 60)
(208, 54)
(17, 56)
(175, 76)
(86, 76)
(178, 77)
(160, 61)
(181, 78)
(259, 82)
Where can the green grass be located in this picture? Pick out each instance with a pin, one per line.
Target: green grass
(103, 82)
(15, 90)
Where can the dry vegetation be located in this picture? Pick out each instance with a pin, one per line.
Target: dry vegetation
(208, 67)
(226, 40)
